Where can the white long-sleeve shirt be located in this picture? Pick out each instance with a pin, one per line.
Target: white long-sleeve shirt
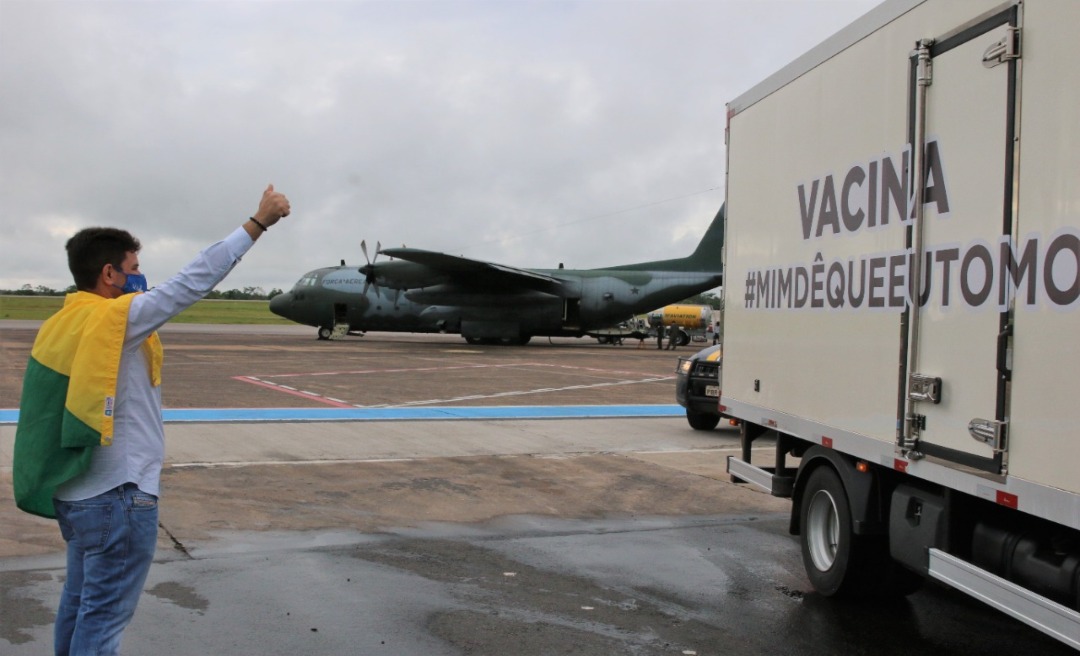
(138, 448)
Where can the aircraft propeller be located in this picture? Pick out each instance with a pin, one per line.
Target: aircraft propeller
(369, 269)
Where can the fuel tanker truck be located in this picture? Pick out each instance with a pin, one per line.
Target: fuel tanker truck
(693, 321)
(902, 272)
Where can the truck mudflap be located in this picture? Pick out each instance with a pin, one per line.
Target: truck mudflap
(1036, 611)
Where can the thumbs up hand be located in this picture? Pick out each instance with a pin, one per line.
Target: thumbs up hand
(273, 207)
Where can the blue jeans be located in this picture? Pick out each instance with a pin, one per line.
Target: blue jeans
(110, 544)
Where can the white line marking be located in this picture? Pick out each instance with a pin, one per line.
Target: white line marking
(544, 390)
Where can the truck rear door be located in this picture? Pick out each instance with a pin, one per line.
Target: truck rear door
(965, 88)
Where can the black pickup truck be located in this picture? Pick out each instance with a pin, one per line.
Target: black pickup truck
(697, 387)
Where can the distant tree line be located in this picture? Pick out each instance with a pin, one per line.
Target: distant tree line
(245, 294)
(707, 298)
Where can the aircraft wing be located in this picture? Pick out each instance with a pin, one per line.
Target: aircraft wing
(477, 272)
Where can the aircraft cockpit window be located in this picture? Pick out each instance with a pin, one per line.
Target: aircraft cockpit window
(306, 281)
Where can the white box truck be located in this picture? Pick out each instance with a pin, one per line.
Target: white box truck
(902, 283)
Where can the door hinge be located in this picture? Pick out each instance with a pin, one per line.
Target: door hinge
(917, 421)
(924, 69)
(1004, 50)
(907, 440)
(1004, 350)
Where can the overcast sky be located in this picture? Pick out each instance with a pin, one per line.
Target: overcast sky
(527, 133)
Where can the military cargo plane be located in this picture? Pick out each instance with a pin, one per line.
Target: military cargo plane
(423, 291)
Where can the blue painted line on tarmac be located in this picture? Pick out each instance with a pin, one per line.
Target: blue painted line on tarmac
(242, 415)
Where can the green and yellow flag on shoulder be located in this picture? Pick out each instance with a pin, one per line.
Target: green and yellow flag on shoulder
(69, 395)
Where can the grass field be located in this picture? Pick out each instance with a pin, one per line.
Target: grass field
(219, 311)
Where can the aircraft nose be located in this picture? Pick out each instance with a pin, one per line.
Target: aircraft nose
(280, 304)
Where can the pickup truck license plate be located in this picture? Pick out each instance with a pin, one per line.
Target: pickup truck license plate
(712, 390)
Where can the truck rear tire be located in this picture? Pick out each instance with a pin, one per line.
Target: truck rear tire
(826, 535)
(837, 561)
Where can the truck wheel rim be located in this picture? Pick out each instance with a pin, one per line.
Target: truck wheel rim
(823, 530)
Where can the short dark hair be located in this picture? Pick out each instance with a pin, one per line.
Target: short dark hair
(92, 248)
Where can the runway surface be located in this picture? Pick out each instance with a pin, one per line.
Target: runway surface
(231, 367)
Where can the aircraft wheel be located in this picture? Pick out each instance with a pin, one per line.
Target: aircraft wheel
(325, 333)
(474, 340)
(523, 340)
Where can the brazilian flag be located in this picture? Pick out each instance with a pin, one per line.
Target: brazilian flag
(69, 395)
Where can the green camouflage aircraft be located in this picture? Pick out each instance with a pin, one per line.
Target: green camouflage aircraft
(423, 291)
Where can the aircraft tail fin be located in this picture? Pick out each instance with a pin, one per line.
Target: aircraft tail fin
(706, 258)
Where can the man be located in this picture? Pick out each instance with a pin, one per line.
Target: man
(673, 336)
(659, 336)
(90, 441)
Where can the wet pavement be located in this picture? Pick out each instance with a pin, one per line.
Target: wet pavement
(521, 585)
(568, 536)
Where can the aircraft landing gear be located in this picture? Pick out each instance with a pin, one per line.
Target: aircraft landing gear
(337, 331)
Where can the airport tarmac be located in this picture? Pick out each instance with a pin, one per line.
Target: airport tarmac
(467, 534)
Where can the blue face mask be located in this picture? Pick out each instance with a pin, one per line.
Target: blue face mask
(134, 282)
